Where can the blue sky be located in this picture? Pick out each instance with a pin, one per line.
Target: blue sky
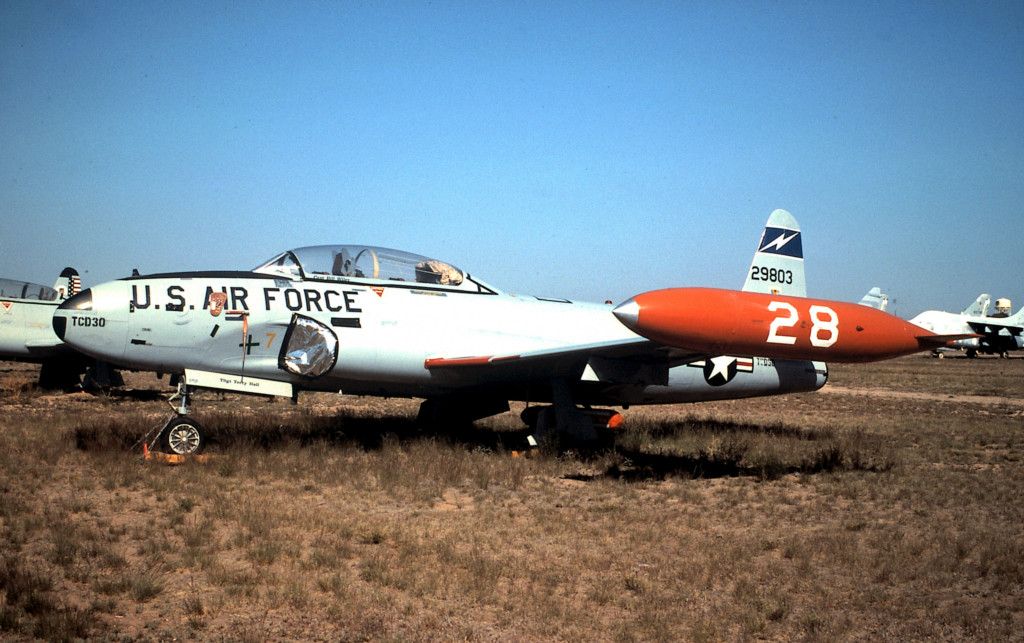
(585, 150)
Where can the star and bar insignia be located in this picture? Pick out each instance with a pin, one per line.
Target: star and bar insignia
(720, 370)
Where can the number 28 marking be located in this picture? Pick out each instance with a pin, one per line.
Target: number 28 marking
(824, 327)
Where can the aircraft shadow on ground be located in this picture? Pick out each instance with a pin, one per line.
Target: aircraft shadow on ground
(229, 431)
(136, 395)
(630, 465)
(226, 431)
(637, 466)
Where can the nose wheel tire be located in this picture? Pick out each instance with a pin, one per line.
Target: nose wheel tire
(183, 436)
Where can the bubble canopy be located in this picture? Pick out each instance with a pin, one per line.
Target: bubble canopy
(11, 289)
(368, 263)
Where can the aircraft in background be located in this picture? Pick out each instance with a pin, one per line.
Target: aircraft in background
(367, 320)
(26, 329)
(875, 299)
(773, 317)
(995, 335)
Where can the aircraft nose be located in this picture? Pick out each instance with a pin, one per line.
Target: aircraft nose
(628, 312)
(81, 301)
(95, 321)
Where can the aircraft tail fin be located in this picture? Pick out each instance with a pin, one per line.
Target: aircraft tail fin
(68, 284)
(979, 307)
(875, 299)
(778, 266)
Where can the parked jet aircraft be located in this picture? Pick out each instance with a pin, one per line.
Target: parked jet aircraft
(978, 308)
(993, 335)
(26, 329)
(367, 320)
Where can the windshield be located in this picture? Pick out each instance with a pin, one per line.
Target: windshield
(11, 289)
(344, 263)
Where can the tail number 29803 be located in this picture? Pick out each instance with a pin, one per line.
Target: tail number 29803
(824, 324)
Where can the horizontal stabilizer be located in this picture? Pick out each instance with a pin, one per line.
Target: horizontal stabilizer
(938, 341)
(875, 299)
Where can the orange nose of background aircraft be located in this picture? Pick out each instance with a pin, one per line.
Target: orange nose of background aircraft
(733, 322)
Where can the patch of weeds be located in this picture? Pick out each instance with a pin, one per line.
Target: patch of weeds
(483, 479)
(144, 586)
(18, 388)
(112, 585)
(635, 584)
(328, 553)
(103, 605)
(66, 624)
(227, 467)
(333, 583)
(65, 545)
(112, 432)
(855, 525)
(265, 551)
(11, 618)
(485, 571)
(20, 583)
(814, 625)
(38, 603)
(196, 533)
(777, 611)
(195, 611)
(372, 537)
(296, 595)
(379, 568)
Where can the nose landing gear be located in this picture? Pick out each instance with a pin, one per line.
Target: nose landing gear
(180, 435)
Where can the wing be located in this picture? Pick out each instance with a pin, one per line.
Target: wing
(988, 329)
(997, 336)
(617, 361)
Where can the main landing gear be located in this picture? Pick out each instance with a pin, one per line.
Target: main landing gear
(564, 419)
(561, 421)
(181, 435)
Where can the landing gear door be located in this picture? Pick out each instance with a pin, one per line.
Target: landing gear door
(310, 349)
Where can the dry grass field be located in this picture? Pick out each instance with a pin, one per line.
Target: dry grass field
(887, 506)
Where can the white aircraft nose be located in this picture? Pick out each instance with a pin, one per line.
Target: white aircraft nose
(81, 301)
(628, 312)
(94, 321)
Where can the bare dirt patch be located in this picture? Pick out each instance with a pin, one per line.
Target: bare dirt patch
(981, 400)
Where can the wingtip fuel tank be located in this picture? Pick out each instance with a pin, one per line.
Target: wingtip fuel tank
(733, 322)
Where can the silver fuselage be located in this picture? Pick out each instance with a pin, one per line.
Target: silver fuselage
(403, 340)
